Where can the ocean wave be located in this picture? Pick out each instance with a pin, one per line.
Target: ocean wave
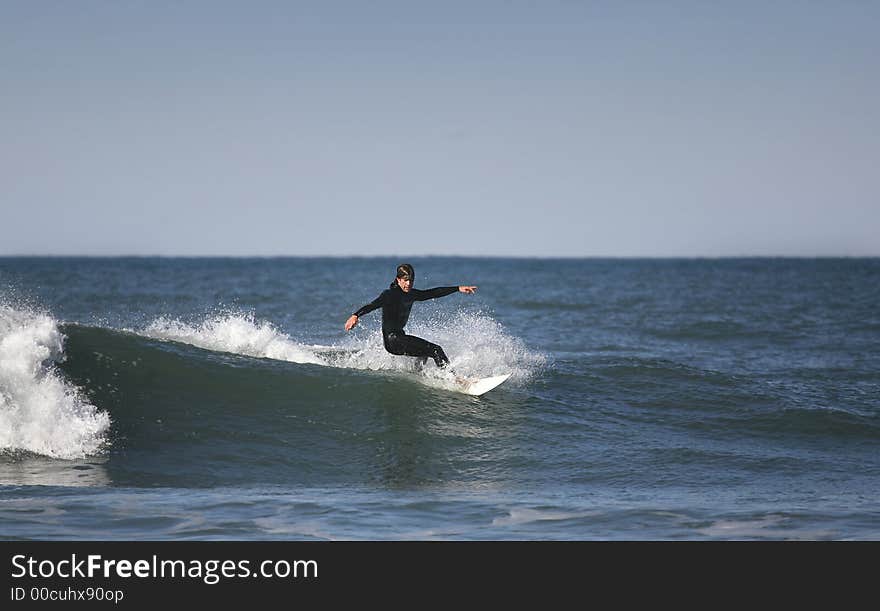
(199, 371)
(234, 333)
(478, 346)
(189, 416)
(40, 411)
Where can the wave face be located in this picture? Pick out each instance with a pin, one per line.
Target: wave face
(234, 400)
(40, 411)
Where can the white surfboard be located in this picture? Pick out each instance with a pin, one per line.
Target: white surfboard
(481, 386)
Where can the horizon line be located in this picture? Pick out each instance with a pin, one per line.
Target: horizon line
(425, 256)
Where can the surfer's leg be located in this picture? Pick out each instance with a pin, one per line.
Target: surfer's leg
(440, 357)
(416, 346)
(410, 345)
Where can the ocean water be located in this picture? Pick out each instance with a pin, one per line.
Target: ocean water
(199, 399)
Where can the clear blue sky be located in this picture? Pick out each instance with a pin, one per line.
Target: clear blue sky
(526, 128)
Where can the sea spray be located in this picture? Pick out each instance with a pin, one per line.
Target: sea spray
(236, 333)
(478, 346)
(41, 412)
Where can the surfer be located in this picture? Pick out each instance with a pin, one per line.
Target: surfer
(396, 302)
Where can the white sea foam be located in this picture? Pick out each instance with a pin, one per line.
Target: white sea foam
(526, 515)
(764, 527)
(40, 411)
(477, 345)
(236, 333)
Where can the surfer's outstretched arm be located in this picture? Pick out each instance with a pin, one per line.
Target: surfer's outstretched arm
(373, 305)
(440, 291)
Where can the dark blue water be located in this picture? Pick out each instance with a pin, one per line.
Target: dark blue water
(650, 399)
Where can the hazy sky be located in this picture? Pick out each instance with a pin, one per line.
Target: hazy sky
(529, 128)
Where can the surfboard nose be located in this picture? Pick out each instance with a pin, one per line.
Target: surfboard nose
(483, 385)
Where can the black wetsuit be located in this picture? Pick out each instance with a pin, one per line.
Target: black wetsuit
(395, 306)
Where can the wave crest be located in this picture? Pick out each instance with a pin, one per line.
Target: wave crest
(235, 333)
(476, 344)
(41, 412)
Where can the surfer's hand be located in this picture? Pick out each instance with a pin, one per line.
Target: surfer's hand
(351, 322)
(467, 289)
